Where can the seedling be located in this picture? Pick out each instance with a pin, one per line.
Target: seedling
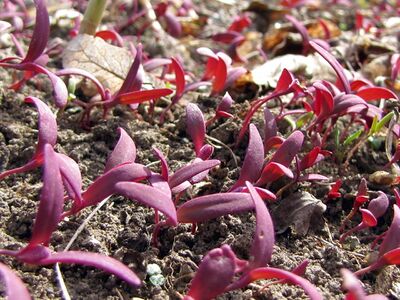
(31, 63)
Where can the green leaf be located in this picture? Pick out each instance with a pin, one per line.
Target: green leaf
(384, 121)
(305, 118)
(352, 137)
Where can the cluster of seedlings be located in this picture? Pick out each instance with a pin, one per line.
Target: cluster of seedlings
(321, 104)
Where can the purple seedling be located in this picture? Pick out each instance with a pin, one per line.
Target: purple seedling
(376, 208)
(32, 60)
(354, 289)
(14, 287)
(361, 198)
(222, 110)
(47, 135)
(47, 218)
(389, 251)
(216, 273)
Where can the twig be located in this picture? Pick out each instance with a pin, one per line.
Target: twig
(225, 146)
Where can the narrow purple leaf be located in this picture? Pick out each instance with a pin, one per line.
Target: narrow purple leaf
(99, 261)
(14, 287)
(40, 34)
(215, 273)
(289, 148)
(352, 285)
(132, 82)
(51, 199)
(207, 52)
(157, 181)
(47, 124)
(164, 164)
(312, 177)
(264, 239)
(149, 196)
(392, 236)
(302, 30)
(212, 206)
(174, 27)
(155, 63)
(180, 81)
(103, 186)
(254, 159)
(187, 172)
(195, 126)
(270, 273)
(225, 104)
(273, 171)
(85, 74)
(337, 67)
(60, 91)
(379, 205)
(124, 151)
(71, 176)
(270, 128)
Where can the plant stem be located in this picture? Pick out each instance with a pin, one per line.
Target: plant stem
(93, 14)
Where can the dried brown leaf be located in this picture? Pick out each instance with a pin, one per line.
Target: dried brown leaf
(298, 210)
(108, 63)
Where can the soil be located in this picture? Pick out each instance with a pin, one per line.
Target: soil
(123, 229)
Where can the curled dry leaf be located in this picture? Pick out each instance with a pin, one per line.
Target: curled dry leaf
(109, 64)
(268, 74)
(298, 209)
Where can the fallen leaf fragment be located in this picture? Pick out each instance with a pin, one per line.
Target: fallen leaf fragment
(298, 210)
(108, 63)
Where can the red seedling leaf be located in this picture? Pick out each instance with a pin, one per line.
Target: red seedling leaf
(99, 261)
(323, 101)
(392, 257)
(273, 171)
(270, 128)
(368, 218)
(174, 27)
(215, 273)
(164, 164)
(375, 93)
(47, 124)
(149, 196)
(285, 81)
(124, 151)
(302, 30)
(289, 148)
(14, 287)
(155, 63)
(254, 159)
(132, 80)
(71, 176)
(337, 67)
(51, 200)
(392, 236)
(379, 205)
(355, 85)
(273, 142)
(40, 34)
(212, 206)
(264, 239)
(239, 23)
(352, 285)
(187, 172)
(221, 74)
(334, 191)
(273, 273)
(111, 35)
(225, 105)
(137, 97)
(226, 37)
(362, 192)
(180, 81)
(60, 91)
(195, 126)
(309, 159)
(103, 186)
